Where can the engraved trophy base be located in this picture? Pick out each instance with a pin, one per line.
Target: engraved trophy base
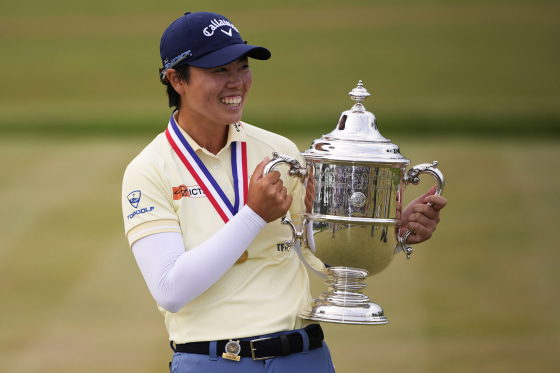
(344, 302)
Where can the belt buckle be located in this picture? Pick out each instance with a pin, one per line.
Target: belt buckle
(253, 349)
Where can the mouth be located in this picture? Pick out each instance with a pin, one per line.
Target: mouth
(231, 101)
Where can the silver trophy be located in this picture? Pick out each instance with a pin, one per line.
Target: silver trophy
(358, 178)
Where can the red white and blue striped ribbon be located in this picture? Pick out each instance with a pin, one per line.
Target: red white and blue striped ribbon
(205, 180)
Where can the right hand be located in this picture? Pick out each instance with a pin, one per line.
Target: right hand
(268, 196)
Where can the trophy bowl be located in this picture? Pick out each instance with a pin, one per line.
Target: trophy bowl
(357, 178)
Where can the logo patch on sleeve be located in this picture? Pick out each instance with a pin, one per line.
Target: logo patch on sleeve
(134, 198)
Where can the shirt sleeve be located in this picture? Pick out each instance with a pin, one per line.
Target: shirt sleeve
(147, 201)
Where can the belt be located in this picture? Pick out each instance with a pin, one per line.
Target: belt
(260, 348)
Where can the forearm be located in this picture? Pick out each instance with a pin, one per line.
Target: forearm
(175, 277)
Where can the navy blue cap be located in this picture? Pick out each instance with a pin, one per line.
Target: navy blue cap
(204, 39)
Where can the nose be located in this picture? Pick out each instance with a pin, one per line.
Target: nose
(235, 80)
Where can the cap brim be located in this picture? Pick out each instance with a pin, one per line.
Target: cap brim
(229, 54)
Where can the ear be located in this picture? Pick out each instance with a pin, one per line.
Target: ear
(176, 81)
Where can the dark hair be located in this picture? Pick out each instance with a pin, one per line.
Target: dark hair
(174, 98)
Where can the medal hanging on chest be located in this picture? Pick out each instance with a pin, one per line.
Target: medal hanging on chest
(206, 181)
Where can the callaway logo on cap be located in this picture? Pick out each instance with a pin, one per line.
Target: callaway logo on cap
(204, 39)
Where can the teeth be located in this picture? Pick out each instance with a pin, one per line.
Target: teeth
(235, 100)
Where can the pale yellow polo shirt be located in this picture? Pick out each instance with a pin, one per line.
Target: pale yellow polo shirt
(260, 296)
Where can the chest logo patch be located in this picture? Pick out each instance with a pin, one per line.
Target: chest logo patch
(188, 192)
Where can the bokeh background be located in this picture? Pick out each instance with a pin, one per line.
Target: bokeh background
(472, 84)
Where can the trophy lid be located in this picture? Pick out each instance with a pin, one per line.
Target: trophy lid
(356, 137)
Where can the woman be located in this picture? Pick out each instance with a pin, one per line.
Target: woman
(204, 230)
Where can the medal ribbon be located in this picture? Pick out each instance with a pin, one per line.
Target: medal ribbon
(205, 180)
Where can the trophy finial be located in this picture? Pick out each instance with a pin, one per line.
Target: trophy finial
(359, 94)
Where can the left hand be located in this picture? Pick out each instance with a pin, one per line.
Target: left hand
(421, 217)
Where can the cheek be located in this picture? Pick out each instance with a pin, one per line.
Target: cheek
(248, 81)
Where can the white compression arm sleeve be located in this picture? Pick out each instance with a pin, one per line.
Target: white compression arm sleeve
(175, 276)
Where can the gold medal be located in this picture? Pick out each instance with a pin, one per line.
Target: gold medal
(243, 257)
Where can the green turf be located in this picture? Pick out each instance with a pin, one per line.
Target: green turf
(480, 296)
(75, 66)
(472, 84)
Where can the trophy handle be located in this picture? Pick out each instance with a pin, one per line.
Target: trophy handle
(295, 234)
(413, 177)
(296, 170)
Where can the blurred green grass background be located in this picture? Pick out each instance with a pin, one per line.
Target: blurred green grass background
(453, 66)
(472, 84)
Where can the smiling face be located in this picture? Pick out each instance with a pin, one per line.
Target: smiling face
(215, 97)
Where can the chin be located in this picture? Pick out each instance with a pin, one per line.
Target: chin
(235, 118)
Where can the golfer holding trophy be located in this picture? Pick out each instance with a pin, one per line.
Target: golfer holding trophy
(355, 180)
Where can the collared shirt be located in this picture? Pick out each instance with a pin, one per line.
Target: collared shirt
(260, 296)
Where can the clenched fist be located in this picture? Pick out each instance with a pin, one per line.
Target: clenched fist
(268, 196)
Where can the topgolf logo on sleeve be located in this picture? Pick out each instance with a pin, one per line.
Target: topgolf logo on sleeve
(134, 198)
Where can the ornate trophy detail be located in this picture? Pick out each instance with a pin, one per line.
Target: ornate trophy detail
(358, 177)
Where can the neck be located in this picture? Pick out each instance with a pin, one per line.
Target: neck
(212, 138)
